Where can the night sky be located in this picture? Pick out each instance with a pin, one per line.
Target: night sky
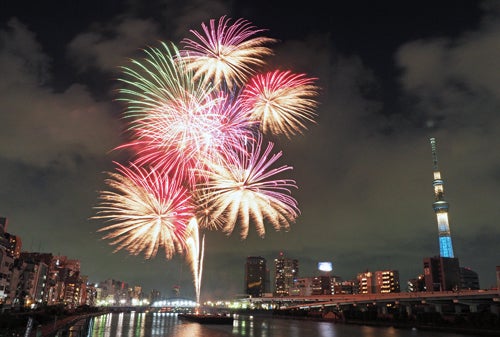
(392, 74)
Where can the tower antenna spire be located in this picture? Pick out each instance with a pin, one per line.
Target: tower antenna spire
(434, 154)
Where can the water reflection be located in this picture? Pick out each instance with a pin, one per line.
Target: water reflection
(326, 329)
(100, 326)
(139, 327)
(169, 325)
(267, 327)
(294, 329)
(189, 330)
(119, 325)
(131, 326)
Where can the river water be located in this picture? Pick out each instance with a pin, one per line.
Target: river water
(169, 325)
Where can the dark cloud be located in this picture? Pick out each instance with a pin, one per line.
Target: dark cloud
(453, 77)
(108, 46)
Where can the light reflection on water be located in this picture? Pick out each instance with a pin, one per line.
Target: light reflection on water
(169, 325)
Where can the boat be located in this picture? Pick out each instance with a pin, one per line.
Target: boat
(207, 318)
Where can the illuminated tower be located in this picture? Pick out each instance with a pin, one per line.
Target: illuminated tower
(441, 208)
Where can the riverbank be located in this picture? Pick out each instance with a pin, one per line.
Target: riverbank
(47, 321)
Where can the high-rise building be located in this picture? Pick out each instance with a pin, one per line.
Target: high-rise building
(64, 280)
(287, 270)
(115, 292)
(416, 284)
(440, 207)
(378, 282)
(6, 266)
(255, 276)
(387, 281)
(13, 245)
(11, 242)
(10, 248)
(38, 259)
(72, 291)
(366, 283)
(28, 283)
(469, 279)
(346, 287)
(441, 273)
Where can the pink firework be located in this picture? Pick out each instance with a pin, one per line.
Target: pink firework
(226, 53)
(148, 210)
(181, 141)
(241, 189)
(281, 101)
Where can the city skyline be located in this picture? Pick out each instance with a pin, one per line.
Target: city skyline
(284, 275)
(391, 76)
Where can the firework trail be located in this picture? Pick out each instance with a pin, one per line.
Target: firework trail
(281, 101)
(148, 210)
(194, 253)
(226, 53)
(240, 189)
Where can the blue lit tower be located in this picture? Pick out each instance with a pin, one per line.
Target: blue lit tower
(440, 207)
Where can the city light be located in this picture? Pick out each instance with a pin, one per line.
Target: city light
(325, 266)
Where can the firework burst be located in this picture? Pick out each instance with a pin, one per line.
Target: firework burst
(240, 189)
(281, 101)
(148, 210)
(195, 126)
(226, 53)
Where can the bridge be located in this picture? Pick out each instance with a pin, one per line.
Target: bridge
(175, 304)
(467, 300)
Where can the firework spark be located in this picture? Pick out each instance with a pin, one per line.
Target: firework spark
(226, 53)
(281, 101)
(204, 216)
(148, 210)
(239, 189)
(180, 142)
(163, 105)
(160, 82)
